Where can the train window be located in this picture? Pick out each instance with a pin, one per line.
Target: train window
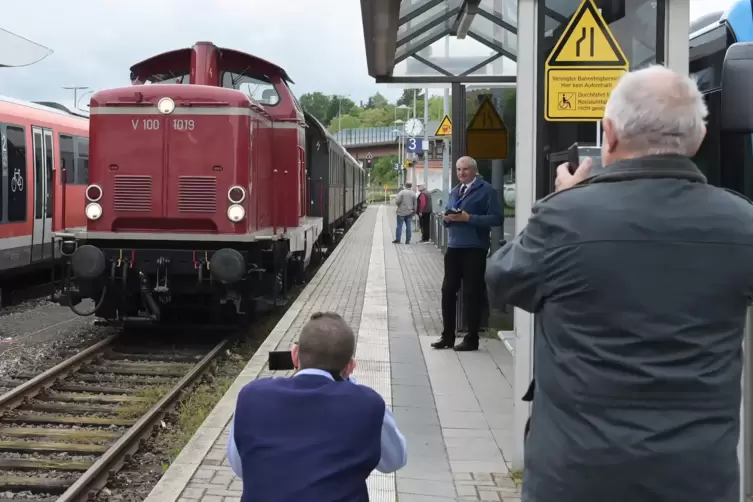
(67, 158)
(82, 161)
(16, 181)
(257, 89)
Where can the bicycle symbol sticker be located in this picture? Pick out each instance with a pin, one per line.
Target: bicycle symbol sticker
(17, 181)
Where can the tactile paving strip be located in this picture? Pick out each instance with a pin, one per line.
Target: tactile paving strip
(373, 349)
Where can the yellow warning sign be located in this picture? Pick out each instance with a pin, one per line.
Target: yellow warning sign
(486, 136)
(583, 68)
(445, 127)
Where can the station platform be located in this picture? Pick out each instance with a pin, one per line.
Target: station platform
(455, 409)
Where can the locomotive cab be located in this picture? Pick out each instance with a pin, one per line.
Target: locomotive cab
(199, 190)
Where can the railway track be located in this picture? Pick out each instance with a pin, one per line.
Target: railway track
(65, 431)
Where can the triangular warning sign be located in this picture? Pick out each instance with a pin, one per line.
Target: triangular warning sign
(445, 127)
(587, 41)
(486, 118)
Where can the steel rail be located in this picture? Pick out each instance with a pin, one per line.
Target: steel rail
(31, 388)
(112, 460)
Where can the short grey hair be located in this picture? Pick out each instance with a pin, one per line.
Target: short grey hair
(326, 342)
(468, 161)
(656, 111)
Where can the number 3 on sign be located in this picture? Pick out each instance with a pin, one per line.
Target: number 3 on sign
(412, 144)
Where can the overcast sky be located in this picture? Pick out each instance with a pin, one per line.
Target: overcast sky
(319, 42)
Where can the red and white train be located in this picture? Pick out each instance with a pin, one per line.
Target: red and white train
(209, 186)
(39, 142)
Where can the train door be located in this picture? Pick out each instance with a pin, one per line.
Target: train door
(41, 241)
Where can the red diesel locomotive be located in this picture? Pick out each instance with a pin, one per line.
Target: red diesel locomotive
(209, 187)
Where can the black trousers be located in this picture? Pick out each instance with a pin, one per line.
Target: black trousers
(425, 220)
(464, 266)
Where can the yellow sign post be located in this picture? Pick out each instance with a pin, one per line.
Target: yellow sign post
(445, 127)
(583, 68)
(487, 136)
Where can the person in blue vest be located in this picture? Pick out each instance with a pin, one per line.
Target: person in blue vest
(472, 210)
(318, 435)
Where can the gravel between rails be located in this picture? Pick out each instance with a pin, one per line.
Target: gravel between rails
(36, 335)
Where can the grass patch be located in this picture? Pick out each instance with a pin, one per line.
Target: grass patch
(192, 412)
(137, 408)
(517, 477)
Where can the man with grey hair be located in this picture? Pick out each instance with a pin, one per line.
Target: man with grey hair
(406, 208)
(472, 209)
(322, 430)
(639, 276)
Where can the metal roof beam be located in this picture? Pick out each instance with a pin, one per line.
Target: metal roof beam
(465, 18)
(496, 20)
(442, 79)
(428, 4)
(433, 66)
(410, 51)
(481, 64)
(493, 45)
(422, 28)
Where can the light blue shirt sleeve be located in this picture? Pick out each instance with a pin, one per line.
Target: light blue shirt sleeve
(232, 452)
(394, 446)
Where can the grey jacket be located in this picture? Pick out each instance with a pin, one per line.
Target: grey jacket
(640, 279)
(406, 202)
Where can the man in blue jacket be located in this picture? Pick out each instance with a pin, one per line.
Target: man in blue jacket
(316, 436)
(473, 209)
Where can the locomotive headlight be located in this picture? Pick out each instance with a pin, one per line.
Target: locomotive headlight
(93, 211)
(236, 213)
(166, 106)
(94, 193)
(236, 194)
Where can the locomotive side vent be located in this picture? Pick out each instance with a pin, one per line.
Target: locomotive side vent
(133, 194)
(197, 194)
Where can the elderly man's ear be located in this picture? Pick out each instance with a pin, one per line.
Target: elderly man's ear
(294, 356)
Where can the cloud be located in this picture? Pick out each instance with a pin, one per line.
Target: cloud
(95, 42)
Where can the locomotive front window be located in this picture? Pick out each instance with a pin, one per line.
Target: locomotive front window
(168, 78)
(256, 88)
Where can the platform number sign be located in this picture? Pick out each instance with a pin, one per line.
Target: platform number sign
(414, 145)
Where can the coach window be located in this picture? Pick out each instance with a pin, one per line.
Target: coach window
(82, 161)
(16, 181)
(67, 158)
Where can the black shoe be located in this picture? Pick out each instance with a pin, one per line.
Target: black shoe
(442, 344)
(464, 346)
(396, 241)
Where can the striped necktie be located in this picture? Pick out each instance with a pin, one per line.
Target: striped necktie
(462, 190)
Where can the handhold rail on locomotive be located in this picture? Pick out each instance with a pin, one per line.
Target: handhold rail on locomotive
(284, 221)
(274, 202)
(161, 285)
(302, 178)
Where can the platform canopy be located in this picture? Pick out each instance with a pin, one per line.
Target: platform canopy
(445, 41)
(440, 41)
(17, 51)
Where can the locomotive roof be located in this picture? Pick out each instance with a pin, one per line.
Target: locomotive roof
(230, 57)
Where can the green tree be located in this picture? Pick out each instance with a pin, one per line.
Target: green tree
(340, 105)
(383, 172)
(377, 101)
(347, 122)
(317, 104)
(407, 97)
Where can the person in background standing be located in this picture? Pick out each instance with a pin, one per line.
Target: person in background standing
(406, 208)
(424, 212)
